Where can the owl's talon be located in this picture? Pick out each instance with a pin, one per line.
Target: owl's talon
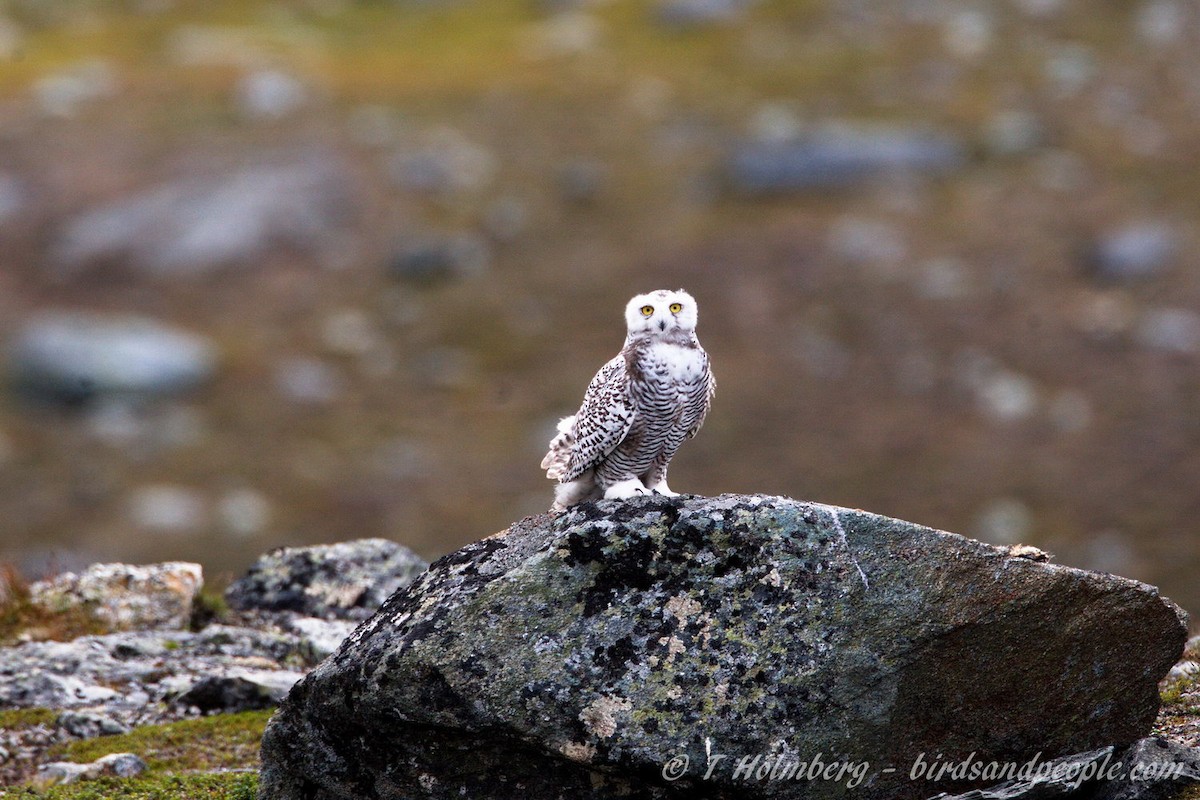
(664, 490)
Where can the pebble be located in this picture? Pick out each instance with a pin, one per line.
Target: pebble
(693, 13)
(446, 164)
(244, 512)
(12, 198)
(1175, 330)
(1133, 252)
(868, 242)
(565, 33)
(270, 94)
(581, 182)
(1160, 22)
(308, 381)
(168, 509)
(1070, 411)
(1007, 396)
(68, 356)
(349, 332)
(64, 94)
(968, 33)
(1070, 68)
(439, 259)
(1005, 520)
(1013, 132)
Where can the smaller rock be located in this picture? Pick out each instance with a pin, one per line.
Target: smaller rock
(348, 580)
(12, 198)
(120, 765)
(1160, 23)
(320, 637)
(1005, 520)
(73, 357)
(270, 94)
(1134, 252)
(1013, 132)
(581, 182)
(168, 509)
(1154, 769)
(841, 156)
(694, 13)
(446, 164)
(61, 773)
(125, 596)
(1175, 330)
(438, 260)
(88, 724)
(308, 381)
(63, 94)
(244, 512)
(240, 690)
(564, 33)
(116, 765)
(1060, 777)
(1183, 670)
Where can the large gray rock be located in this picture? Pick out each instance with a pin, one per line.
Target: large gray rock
(192, 227)
(71, 356)
(838, 157)
(347, 580)
(645, 648)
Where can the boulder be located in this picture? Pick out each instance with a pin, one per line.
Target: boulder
(838, 157)
(194, 226)
(73, 357)
(734, 646)
(122, 597)
(348, 580)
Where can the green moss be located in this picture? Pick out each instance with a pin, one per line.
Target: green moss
(222, 741)
(218, 786)
(27, 717)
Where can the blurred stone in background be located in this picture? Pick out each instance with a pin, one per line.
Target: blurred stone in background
(295, 274)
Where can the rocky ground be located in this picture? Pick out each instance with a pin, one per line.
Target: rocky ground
(292, 273)
(143, 665)
(169, 688)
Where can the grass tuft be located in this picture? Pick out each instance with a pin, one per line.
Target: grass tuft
(221, 741)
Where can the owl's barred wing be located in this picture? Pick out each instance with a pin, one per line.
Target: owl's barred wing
(602, 423)
(701, 400)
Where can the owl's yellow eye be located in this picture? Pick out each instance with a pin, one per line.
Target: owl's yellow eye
(647, 310)
(676, 308)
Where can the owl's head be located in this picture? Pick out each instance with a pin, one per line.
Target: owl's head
(661, 313)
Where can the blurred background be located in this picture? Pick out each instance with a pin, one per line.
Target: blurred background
(283, 273)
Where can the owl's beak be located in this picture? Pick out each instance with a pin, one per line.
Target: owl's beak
(662, 325)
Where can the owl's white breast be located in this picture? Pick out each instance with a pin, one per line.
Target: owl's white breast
(677, 363)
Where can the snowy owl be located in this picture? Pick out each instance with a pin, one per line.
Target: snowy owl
(638, 409)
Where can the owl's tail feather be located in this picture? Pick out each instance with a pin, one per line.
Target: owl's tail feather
(556, 460)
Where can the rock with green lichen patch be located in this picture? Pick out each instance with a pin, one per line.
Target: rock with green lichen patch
(576, 655)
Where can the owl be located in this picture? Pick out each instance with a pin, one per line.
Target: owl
(638, 409)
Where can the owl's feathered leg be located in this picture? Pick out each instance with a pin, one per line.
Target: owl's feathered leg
(662, 488)
(656, 478)
(623, 490)
(582, 489)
